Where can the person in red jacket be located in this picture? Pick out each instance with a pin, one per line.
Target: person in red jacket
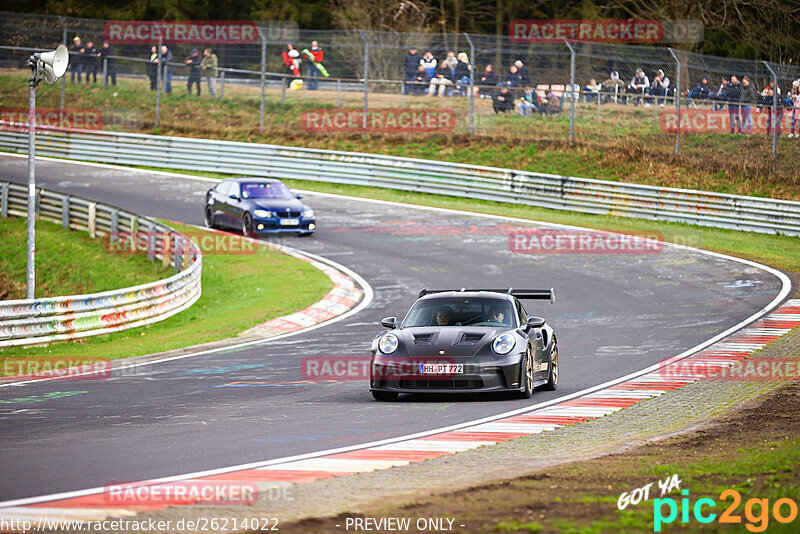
(291, 58)
(311, 69)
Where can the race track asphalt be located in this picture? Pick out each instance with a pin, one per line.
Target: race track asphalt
(614, 314)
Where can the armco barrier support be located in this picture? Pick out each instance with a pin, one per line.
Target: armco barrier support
(472, 181)
(26, 322)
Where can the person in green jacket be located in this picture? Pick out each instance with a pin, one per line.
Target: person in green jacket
(209, 65)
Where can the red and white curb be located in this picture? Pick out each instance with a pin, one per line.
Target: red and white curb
(670, 376)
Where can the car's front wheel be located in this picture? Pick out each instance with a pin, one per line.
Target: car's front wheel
(209, 218)
(385, 396)
(247, 225)
(552, 379)
(526, 374)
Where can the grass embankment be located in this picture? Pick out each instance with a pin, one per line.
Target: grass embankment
(239, 292)
(624, 145)
(67, 262)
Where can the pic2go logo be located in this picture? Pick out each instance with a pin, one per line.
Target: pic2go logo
(756, 511)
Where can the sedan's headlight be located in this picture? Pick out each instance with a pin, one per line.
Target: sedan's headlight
(503, 344)
(262, 213)
(388, 343)
(309, 213)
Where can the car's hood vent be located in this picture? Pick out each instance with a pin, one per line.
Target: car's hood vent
(423, 339)
(470, 338)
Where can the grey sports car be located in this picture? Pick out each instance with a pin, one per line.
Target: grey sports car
(466, 341)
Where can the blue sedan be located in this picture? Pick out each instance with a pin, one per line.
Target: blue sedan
(257, 206)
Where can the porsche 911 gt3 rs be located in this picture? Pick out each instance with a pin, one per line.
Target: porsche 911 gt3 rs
(466, 341)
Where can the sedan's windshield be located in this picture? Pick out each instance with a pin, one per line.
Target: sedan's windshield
(265, 190)
(460, 312)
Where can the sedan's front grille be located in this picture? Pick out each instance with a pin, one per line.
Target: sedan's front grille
(289, 214)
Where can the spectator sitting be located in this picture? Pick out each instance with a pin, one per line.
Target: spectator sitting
(410, 69)
(591, 90)
(701, 92)
(524, 75)
(660, 87)
(463, 69)
(488, 82)
(613, 86)
(719, 95)
(503, 101)
(420, 81)
(450, 60)
(527, 104)
(640, 85)
(429, 62)
(442, 78)
(551, 105)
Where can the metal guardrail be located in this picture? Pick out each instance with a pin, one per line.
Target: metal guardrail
(426, 176)
(32, 321)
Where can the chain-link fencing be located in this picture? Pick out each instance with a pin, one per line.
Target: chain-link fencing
(276, 78)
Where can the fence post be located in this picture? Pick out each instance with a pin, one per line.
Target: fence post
(599, 96)
(263, 75)
(283, 89)
(338, 92)
(571, 91)
(105, 72)
(63, 78)
(677, 104)
(158, 82)
(65, 212)
(221, 84)
(366, 78)
(471, 98)
(92, 220)
(774, 118)
(4, 199)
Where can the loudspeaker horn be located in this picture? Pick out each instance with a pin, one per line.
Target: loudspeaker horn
(55, 63)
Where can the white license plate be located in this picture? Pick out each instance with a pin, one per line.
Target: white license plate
(441, 368)
(290, 222)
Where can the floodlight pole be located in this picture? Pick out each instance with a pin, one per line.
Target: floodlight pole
(30, 278)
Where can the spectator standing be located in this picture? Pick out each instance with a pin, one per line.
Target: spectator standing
(442, 78)
(76, 59)
(420, 81)
(503, 101)
(613, 85)
(767, 96)
(292, 61)
(488, 82)
(90, 57)
(152, 68)
(194, 62)
(702, 91)
(167, 69)
(108, 63)
(313, 58)
(748, 98)
(733, 94)
(795, 96)
(429, 62)
(410, 69)
(660, 87)
(209, 65)
(640, 85)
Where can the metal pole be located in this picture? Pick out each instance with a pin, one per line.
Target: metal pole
(283, 89)
(338, 92)
(598, 104)
(158, 83)
(105, 72)
(677, 104)
(64, 78)
(571, 91)
(31, 270)
(774, 119)
(221, 84)
(263, 74)
(366, 78)
(471, 99)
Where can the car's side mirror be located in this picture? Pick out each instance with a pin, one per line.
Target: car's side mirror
(299, 196)
(233, 197)
(534, 322)
(389, 322)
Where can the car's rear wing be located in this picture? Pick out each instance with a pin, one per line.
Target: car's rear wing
(536, 294)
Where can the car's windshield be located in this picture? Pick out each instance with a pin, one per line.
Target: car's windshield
(460, 312)
(265, 190)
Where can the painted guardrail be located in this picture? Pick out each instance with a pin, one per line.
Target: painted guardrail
(427, 176)
(32, 321)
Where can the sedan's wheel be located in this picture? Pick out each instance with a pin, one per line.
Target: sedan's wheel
(247, 225)
(385, 396)
(209, 218)
(527, 374)
(552, 380)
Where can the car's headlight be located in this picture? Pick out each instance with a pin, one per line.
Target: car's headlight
(262, 213)
(503, 344)
(388, 343)
(308, 213)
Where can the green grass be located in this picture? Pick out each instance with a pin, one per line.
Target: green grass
(239, 292)
(67, 262)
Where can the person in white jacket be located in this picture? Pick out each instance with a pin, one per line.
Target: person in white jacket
(640, 85)
(660, 87)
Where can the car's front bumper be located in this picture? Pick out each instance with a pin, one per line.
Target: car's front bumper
(273, 226)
